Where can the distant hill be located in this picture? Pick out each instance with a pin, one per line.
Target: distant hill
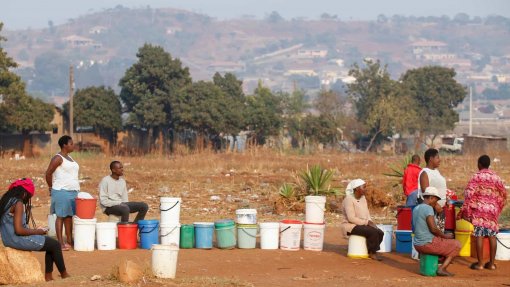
(313, 53)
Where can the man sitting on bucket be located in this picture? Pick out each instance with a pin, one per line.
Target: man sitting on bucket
(428, 238)
(113, 195)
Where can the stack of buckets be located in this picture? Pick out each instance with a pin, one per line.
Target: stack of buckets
(463, 230)
(84, 224)
(246, 228)
(164, 255)
(403, 234)
(314, 225)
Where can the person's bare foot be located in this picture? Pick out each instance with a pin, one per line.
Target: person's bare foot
(374, 256)
(64, 275)
(48, 277)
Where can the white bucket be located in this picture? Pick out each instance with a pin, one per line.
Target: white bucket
(503, 246)
(290, 234)
(414, 253)
(170, 208)
(106, 235)
(164, 260)
(246, 216)
(84, 234)
(357, 247)
(388, 232)
(51, 225)
(315, 207)
(313, 236)
(170, 234)
(269, 235)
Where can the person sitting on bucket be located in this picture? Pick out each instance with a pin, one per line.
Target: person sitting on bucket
(357, 220)
(113, 195)
(428, 238)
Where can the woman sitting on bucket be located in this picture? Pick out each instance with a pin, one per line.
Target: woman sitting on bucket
(357, 220)
(15, 215)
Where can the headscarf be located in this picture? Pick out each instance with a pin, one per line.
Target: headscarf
(26, 183)
(352, 185)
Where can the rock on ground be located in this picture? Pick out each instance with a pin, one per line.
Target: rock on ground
(129, 272)
(19, 267)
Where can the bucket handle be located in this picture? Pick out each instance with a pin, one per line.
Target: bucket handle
(169, 232)
(319, 205)
(169, 208)
(254, 236)
(507, 247)
(285, 229)
(141, 229)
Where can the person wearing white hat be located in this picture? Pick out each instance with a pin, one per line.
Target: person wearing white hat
(428, 238)
(357, 220)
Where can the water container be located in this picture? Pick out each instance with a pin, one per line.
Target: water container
(106, 235)
(269, 235)
(403, 241)
(246, 216)
(465, 242)
(225, 233)
(462, 225)
(51, 225)
(204, 235)
(187, 238)
(149, 233)
(357, 247)
(84, 234)
(290, 234)
(428, 264)
(170, 208)
(503, 245)
(449, 214)
(246, 236)
(315, 207)
(388, 232)
(170, 234)
(128, 233)
(486, 249)
(164, 260)
(85, 208)
(313, 236)
(404, 218)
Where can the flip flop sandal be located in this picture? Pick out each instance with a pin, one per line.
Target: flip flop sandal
(65, 247)
(475, 266)
(490, 267)
(444, 273)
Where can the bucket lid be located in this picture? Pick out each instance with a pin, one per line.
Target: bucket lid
(165, 247)
(246, 211)
(315, 198)
(291, 221)
(203, 223)
(148, 222)
(85, 199)
(310, 223)
(224, 223)
(83, 220)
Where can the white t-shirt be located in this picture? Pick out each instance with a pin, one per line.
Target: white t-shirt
(66, 175)
(436, 180)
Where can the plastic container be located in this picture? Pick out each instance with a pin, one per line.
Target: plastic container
(84, 234)
(85, 208)
(313, 236)
(246, 236)
(51, 225)
(269, 235)
(357, 247)
(428, 264)
(204, 235)
(290, 234)
(388, 232)
(462, 225)
(404, 218)
(414, 253)
(128, 233)
(403, 243)
(149, 233)
(315, 207)
(246, 216)
(170, 208)
(164, 260)
(486, 249)
(449, 213)
(465, 242)
(106, 235)
(187, 238)
(503, 245)
(170, 234)
(225, 233)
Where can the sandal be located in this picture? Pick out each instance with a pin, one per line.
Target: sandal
(444, 273)
(475, 266)
(489, 266)
(66, 247)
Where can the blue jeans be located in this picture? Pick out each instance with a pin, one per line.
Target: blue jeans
(412, 199)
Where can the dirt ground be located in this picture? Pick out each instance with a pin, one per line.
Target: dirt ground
(252, 180)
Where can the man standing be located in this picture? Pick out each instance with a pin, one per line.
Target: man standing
(410, 180)
(428, 238)
(113, 196)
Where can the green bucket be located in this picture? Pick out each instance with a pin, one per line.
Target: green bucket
(246, 236)
(187, 239)
(428, 264)
(225, 233)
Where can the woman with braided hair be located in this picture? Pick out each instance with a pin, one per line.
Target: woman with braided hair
(15, 217)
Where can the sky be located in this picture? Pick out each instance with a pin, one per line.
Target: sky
(22, 14)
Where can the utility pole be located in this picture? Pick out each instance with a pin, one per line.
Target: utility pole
(470, 111)
(71, 94)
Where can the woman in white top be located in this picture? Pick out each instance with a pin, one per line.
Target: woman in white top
(63, 184)
(430, 176)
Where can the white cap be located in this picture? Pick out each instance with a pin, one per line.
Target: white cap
(352, 185)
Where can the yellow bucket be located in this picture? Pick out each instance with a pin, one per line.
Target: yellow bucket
(465, 242)
(462, 225)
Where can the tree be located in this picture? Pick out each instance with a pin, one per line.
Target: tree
(20, 112)
(294, 106)
(263, 115)
(436, 94)
(98, 107)
(150, 86)
(234, 95)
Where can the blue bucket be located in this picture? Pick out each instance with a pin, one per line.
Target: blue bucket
(404, 241)
(149, 233)
(204, 235)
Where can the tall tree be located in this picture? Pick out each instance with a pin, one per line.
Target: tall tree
(264, 113)
(234, 95)
(294, 108)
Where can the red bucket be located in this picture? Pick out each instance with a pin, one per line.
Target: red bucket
(486, 249)
(86, 208)
(128, 233)
(404, 218)
(449, 217)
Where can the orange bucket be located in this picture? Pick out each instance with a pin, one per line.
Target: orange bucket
(128, 233)
(486, 249)
(86, 208)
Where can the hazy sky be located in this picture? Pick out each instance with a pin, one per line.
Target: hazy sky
(16, 14)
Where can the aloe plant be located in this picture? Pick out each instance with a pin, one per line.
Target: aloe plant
(398, 171)
(317, 180)
(286, 190)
